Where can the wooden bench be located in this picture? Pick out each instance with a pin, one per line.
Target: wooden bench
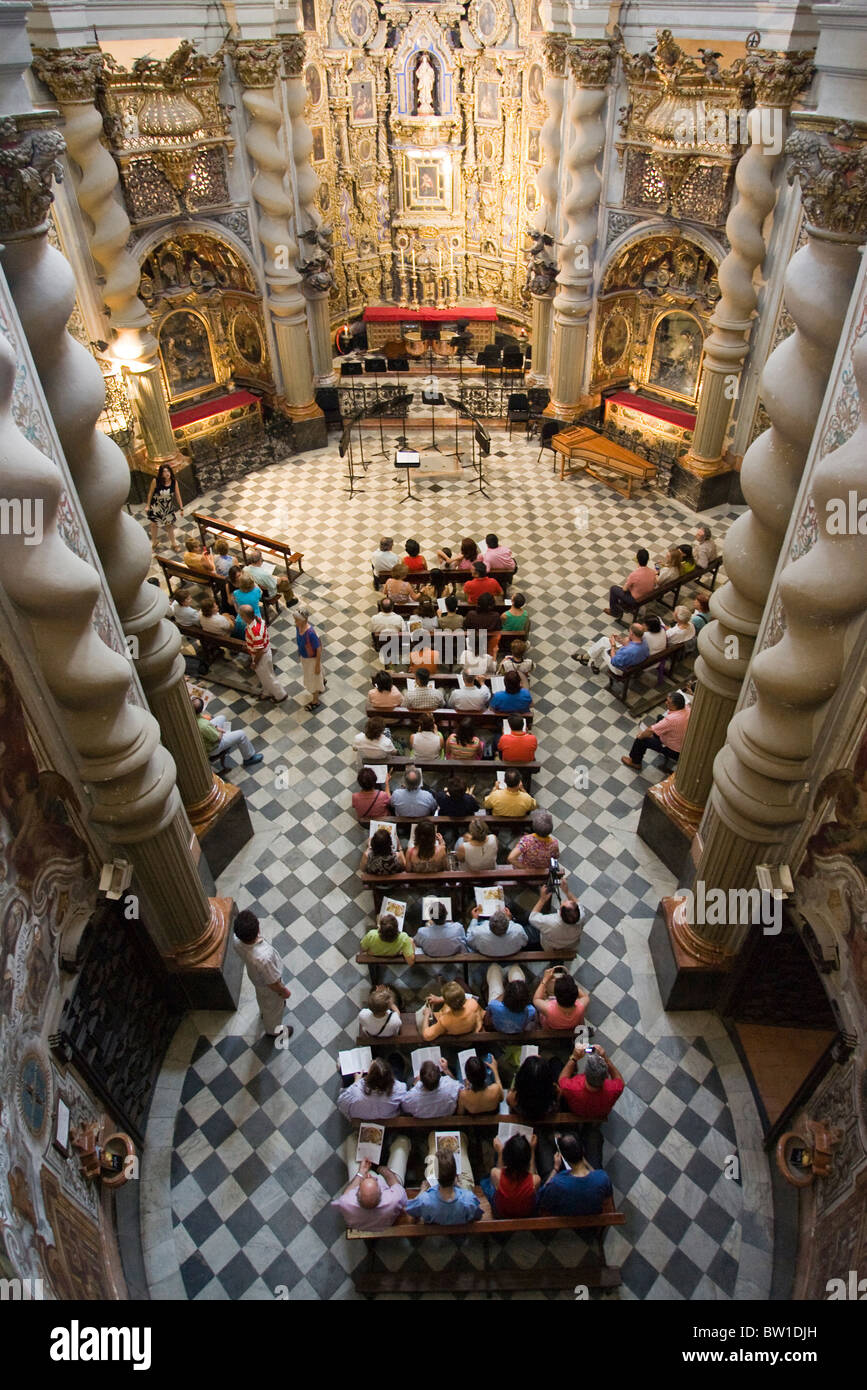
(418, 577)
(457, 879)
(186, 578)
(444, 716)
(667, 661)
(443, 641)
(594, 1273)
(673, 587)
(244, 537)
(409, 1035)
(564, 1119)
(522, 823)
(469, 958)
(211, 644)
(526, 770)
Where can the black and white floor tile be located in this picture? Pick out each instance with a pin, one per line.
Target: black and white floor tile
(244, 1139)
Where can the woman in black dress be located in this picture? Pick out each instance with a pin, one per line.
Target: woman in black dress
(164, 500)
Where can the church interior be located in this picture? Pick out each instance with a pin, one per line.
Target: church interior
(288, 286)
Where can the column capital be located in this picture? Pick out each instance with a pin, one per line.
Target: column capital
(294, 53)
(257, 62)
(70, 74)
(555, 50)
(780, 77)
(30, 151)
(830, 162)
(591, 61)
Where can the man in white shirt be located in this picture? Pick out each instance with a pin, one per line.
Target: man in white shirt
(471, 694)
(705, 549)
(435, 1092)
(555, 931)
(384, 559)
(265, 972)
(386, 620)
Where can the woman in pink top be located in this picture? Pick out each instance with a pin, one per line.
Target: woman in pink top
(370, 801)
(569, 1004)
(384, 694)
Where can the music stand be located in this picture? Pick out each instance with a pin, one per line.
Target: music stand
(408, 459)
(344, 447)
(483, 439)
(375, 365)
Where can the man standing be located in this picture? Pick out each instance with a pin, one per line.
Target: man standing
(310, 652)
(259, 647)
(218, 737)
(265, 972)
(665, 736)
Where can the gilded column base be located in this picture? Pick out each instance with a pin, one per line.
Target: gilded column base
(206, 952)
(685, 814)
(310, 411)
(560, 410)
(204, 813)
(704, 467)
(690, 944)
(687, 977)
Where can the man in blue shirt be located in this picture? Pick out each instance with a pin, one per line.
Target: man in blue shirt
(439, 936)
(513, 699)
(441, 1201)
(412, 799)
(573, 1188)
(632, 653)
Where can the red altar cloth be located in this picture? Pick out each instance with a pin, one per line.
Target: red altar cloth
(387, 313)
(205, 409)
(684, 418)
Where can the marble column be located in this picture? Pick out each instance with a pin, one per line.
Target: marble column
(591, 62)
(43, 289)
(818, 286)
(540, 338)
(778, 78)
(258, 67)
(129, 775)
(555, 52)
(72, 76)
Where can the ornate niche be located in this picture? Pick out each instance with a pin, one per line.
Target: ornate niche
(683, 130)
(168, 131)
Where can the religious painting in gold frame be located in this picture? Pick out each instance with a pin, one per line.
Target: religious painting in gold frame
(427, 183)
(186, 354)
(247, 339)
(362, 104)
(614, 340)
(488, 103)
(317, 152)
(313, 83)
(534, 155)
(674, 355)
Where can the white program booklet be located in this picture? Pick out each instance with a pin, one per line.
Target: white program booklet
(370, 1138)
(449, 1141)
(424, 1054)
(381, 772)
(385, 825)
(427, 904)
(508, 1131)
(497, 684)
(354, 1059)
(441, 605)
(392, 907)
(529, 1050)
(463, 1058)
(490, 899)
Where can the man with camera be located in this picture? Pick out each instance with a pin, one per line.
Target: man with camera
(591, 1096)
(554, 931)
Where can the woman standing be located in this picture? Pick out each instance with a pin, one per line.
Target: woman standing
(310, 652)
(164, 500)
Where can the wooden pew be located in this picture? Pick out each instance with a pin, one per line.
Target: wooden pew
(445, 717)
(246, 538)
(521, 823)
(187, 578)
(469, 958)
(411, 642)
(456, 764)
(383, 885)
(668, 660)
(458, 577)
(564, 1119)
(673, 587)
(211, 644)
(409, 1036)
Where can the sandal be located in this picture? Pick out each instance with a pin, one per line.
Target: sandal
(316, 705)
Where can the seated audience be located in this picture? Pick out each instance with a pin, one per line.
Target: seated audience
(514, 699)
(665, 736)
(496, 556)
(477, 664)
(425, 694)
(384, 693)
(182, 610)
(670, 566)
(517, 660)
(518, 745)
(700, 616)
(384, 559)
(397, 587)
(223, 561)
(218, 736)
(480, 1095)
(459, 1013)
(516, 619)
(535, 1094)
(481, 583)
(509, 1009)
(374, 1095)
(427, 854)
(196, 557)
(380, 856)
(445, 1197)
(213, 621)
(536, 850)
(477, 849)
(471, 694)
(499, 936)
(451, 620)
(574, 1187)
(247, 594)
(560, 1000)
(456, 799)
(484, 618)
(464, 744)
(509, 798)
(592, 1095)
(438, 936)
(435, 586)
(386, 620)
(616, 652)
(374, 1201)
(427, 742)
(636, 587)
(467, 558)
(687, 559)
(512, 1186)
(413, 799)
(371, 800)
(705, 549)
(381, 1017)
(655, 635)
(260, 575)
(427, 615)
(413, 559)
(682, 630)
(387, 939)
(374, 744)
(555, 931)
(434, 1094)
(425, 658)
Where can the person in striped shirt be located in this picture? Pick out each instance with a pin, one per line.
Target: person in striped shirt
(259, 647)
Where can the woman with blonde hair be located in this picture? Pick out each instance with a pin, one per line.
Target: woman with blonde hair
(477, 849)
(459, 1013)
(397, 587)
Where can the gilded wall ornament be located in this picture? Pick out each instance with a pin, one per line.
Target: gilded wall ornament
(488, 21)
(294, 52)
(592, 60)
(356, 22)
(780, 77)
(257, 64)
(832, 170)
(555, 50)
(70, 74)
(29, 159)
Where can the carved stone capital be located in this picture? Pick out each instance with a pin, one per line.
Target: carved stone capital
(256, 63)
(30, 154)
(70, 74)
(294, 53)
(780, 77)
(591, 61)
(555, 49)
(832, 170)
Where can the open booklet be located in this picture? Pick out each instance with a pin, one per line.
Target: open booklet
(497, 683)
(370, 1140)
(380, 770)
(385, 825)
(427, 904)
(354, 1059)
(529, 1050)
(424, 1054)
(392, 907)
(508, 1131)
(490, 899)
(449, 1142)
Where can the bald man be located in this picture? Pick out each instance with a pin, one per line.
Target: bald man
(372, 1201)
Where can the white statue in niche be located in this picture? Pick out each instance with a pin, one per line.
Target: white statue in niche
(425, 77)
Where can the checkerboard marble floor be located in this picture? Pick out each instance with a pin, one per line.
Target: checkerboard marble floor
(244, 1139)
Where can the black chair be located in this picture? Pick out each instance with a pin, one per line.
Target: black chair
(513, 359)
(539, 396)
(398, 364)
(328, 400)
(518, 410)
(546, 434)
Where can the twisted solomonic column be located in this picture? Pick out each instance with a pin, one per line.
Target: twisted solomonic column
(309, 220)
(555, 50)
(258, 66)
(43, 288)
(72, 76)
(591, 62)
(779, 78)
(818, 286)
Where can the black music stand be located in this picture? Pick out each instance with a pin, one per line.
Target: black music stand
(407, 459)
(344, 448)
(483, 439)
(373, 366)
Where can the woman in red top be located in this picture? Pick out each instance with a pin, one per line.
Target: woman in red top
(513, 1184)
(413, 559)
